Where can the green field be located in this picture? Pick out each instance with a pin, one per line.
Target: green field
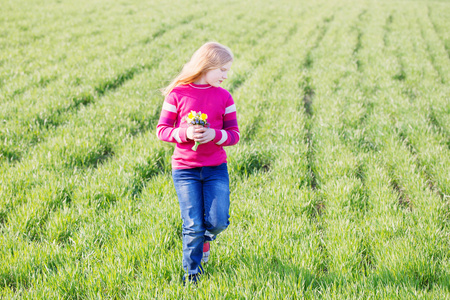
(340, 183)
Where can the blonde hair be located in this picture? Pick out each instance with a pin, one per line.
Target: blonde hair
(208, 57)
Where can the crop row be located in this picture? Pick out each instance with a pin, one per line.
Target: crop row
(338, 184)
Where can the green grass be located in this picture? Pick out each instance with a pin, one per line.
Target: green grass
(340, 183)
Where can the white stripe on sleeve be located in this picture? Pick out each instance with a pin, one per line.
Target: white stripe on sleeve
(237, 133)
(169, 107)
(176, 135)
(230, 109)
(224, 137)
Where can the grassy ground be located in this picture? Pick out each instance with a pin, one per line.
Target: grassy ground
(340, 184)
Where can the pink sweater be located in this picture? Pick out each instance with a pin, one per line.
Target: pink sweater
(218, 104)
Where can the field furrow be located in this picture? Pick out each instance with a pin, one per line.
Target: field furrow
(438, 17)
(317, 206)
(424, 140)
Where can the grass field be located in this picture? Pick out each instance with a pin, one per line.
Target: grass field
(340, 183)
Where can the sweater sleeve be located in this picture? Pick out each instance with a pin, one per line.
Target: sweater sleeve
(166, 130)
(229, 135)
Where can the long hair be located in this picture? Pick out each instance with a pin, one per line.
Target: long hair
(208, 57)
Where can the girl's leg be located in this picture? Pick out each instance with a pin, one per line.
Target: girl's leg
(190, 197)
(216, 195)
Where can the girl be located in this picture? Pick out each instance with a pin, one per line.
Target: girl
(201, 176)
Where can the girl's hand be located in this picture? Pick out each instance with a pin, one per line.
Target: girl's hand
(190, 131)
(203, 135)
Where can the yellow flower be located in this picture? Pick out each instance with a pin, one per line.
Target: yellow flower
(189, 117)
(204, 117)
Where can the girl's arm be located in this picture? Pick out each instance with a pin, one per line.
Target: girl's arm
(230, 134)
(166, 131)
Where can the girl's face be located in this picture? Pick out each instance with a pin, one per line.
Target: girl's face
(215, 77)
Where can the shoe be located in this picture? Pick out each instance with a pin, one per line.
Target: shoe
(191, 278)
(205, 257)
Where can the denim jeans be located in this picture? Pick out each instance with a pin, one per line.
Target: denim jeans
(204, 198)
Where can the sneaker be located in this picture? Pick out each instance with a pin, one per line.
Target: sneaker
(205, 257)
(191, 278)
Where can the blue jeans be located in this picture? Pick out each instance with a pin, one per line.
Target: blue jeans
(204, 198)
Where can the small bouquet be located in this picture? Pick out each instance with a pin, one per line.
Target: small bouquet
(197, 118)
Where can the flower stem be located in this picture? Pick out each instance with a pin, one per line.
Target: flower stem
(195, 146)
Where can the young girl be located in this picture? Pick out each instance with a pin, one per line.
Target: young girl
(200, 176)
